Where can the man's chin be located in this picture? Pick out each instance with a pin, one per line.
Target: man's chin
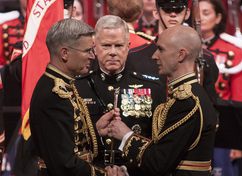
(84, 71)
(112, 69)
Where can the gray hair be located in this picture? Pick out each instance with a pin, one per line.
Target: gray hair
(111, 21)
(66, 32)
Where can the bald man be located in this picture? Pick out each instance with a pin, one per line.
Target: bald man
(183, 128)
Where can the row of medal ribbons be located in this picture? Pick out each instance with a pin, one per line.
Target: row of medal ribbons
(136, 102)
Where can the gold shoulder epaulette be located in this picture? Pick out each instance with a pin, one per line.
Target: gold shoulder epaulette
(146, 36)
(60, 88)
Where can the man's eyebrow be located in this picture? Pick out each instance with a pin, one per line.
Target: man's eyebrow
(159, 47)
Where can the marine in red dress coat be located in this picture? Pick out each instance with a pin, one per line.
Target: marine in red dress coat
(229, 94)
(10, 33)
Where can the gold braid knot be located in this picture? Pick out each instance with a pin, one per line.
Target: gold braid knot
(83, 108)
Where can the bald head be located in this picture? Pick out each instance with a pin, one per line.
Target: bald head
(177, 49)
(181, 36)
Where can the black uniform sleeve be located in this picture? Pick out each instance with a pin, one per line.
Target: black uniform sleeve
(15, 66)
(210, 77)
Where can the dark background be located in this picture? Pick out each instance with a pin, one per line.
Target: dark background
(9, 5)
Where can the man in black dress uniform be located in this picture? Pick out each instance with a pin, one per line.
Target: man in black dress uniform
(183, 128)
(139, 94)
(60, 123)
(171, 13)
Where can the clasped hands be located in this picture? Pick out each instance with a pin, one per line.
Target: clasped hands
(110, 124)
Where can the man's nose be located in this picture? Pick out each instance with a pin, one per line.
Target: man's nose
(154, 56)
(91, 55)
(113, 51)
(172, 14)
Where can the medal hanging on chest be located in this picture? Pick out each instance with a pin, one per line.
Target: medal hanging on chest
(136, 102)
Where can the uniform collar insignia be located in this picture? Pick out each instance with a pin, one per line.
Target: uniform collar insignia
(189, 78)
(111, 77)
(136, 86)
(118, 77)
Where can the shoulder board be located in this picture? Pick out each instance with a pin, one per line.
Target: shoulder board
(145, 36)
(86, 75)
(231, 39)
(8, 16)
(60, 88)
(141, 47)
(145, 77)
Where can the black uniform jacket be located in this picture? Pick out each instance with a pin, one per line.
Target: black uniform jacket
(139, 59)
(178, 147)
(139, 95)
(60, 128)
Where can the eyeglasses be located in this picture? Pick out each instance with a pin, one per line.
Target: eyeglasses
(89, 52)
(176, 10)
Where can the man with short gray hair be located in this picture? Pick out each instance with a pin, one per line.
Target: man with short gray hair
(183, 128)
(60, 123)
(139, 94)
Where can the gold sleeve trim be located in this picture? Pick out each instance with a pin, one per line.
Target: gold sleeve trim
(2, 137)
(194, 165)
(145, 142)
(126, 150)
(95, 168)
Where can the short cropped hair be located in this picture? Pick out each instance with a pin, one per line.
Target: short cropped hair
(66, 32)
(128, 10)
(111, 21)
(218, 8)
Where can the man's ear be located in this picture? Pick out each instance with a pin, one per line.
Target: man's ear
(94, 46)
(140, 15)
(187, 14)
(129, 43)
(74, 11)
(156, 13)
(64, 52)
(218, 18)
(182, 54)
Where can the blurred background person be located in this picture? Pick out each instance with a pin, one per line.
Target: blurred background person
(11, 32)
(78, 5)
(2, 135)
(234, 17)
(147, 23)
(130, 11)
(228, 87)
